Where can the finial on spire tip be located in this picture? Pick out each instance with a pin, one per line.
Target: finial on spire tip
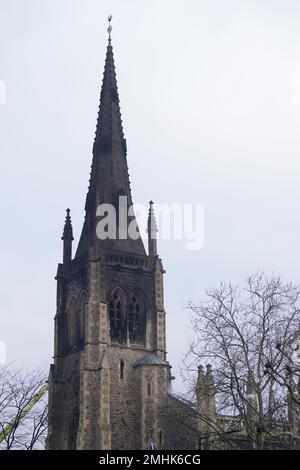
(109, 29)
(68, 230)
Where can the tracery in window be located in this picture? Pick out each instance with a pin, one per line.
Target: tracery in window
(115, 317)
(134, 319)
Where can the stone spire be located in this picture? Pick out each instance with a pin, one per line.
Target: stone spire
(109, 172)
(67, 238)
(109, 130)
(152, 231)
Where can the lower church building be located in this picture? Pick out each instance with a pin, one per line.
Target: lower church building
(109, 385)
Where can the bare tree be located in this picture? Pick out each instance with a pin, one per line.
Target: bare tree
(287, 375)
(248, 336)
(23, 409)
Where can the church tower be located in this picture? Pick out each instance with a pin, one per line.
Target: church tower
(110, 371)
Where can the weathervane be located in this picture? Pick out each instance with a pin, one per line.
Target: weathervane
(109, 29)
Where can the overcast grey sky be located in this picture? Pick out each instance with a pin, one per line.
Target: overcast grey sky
(210, 99)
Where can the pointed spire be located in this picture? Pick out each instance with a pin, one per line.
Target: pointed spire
(109, 174)
(109, 128)
(68, 229)
(67, 238)
(152, 231)
(109, 177)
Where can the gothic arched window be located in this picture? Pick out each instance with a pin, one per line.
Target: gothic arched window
(72, 323)
(134, 319)
(115, 317)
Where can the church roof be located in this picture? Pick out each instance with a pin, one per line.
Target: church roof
(150, 360)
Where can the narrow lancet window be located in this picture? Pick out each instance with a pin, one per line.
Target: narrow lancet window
(122, 367)
(115, 317)
(134, 319)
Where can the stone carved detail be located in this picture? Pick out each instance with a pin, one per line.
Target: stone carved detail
(127, 283)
